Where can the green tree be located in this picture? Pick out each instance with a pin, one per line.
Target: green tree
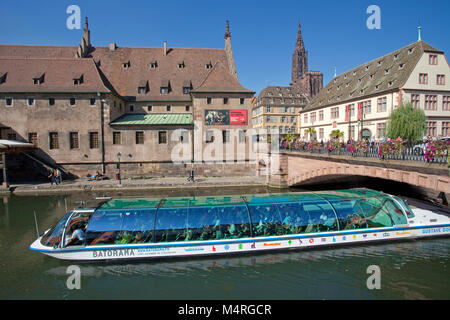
(337, 134)
(407, 122)
(311, 132)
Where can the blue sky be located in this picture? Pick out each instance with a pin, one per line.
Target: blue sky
(263, 32)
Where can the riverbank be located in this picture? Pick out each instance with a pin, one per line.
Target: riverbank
(83, 185)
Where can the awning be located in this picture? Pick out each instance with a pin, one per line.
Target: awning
(154, 119)
(12, 144)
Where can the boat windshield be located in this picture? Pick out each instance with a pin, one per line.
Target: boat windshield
(219, 218)
(409, 212)
(53, 237)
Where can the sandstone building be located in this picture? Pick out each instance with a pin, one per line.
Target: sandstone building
(88, 108)
(359, 102)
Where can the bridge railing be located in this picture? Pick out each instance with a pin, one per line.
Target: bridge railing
(409, 152)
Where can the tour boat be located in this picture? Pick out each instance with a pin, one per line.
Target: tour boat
(138, 228)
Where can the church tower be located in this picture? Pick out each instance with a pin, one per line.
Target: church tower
(85, 46)
(299, 58)
(308, 82)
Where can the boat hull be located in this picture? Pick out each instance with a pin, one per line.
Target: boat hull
(244, 245)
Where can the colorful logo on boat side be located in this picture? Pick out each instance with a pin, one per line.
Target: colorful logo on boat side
(334, 239)
(214, 249)
(354, 237)
(289, 242)
(272, 244)
(311, 240)
(240, 246)
(253, 246)
(386, 234)
(323, 239)
(402, 233)
(227, 247)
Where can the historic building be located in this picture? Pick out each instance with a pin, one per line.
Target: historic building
(308, 82)
(278, 108)
(88, 108)
(359, 102)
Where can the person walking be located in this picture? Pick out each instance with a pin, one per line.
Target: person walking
(58, 176)
(52, 177)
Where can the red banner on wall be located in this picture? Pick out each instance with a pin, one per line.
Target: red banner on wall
(238, 117)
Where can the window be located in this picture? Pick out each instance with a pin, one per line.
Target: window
(54, 143)
(226, 136)
(51, 101)
(77, 80)
(209, 136)
(415, 100)
(126, 65)
(446, 103)
(73, 140)
(321, 115)
(72, 101)
(168, 108)
(431, 128)
(381, 104)
(313, 117)
(208, 65)
(445, 129)
(181, 65)
(381, 130)
(186, 90)
(149, 108)
(367, 107)
(242, 134)
(162, 137)
(321, 134)
(440, 79)
(335, 113)
(153, 64)
(241, 100)
(433, 59)
(131, 108)
(12, 136)
(164, 90)
(117, 138)
(30, 101)
(423, 78)
(38, 79)
(9, 102)
(32, 138)
(93, 140)
(225, 100)
(92, 101)
(139, 137)
(208, 100)
(142, 90)
(188, 108)
(430, 102)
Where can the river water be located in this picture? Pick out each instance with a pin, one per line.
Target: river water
(409, 270)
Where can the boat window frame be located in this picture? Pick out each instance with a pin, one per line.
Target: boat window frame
(62, 244)
(334, 210)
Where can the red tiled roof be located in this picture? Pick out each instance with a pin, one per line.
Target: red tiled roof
(220, 79)
(58, 75)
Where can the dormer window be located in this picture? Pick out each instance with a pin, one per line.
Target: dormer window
(126, 65)
(187, 86)
(143, 87)
(181, 65)
(390, 83)
(367, 68)
(2, 77)
(380, 63)
(165, 86)
(208, 65)
(386, 71)
(77, 79)
(410, 50)
(153, 64)
(401, 66)
(38, 78)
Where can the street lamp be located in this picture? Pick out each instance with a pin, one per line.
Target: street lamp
(118, 167)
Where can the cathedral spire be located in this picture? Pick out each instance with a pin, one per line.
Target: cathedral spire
(85, 46)
(227, 30)
(299, 43)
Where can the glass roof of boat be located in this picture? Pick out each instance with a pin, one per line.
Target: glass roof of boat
(140, 203)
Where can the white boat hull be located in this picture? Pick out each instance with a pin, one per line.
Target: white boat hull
(244, 245)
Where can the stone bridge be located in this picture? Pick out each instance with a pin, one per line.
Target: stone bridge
(287, 168)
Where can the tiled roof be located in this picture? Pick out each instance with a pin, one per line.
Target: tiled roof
(178, 67)
(154, 119)
(383, 74)
(57, 75)
(278, 93)
(220, 79)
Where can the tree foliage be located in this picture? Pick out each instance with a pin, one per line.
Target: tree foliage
(407, 123)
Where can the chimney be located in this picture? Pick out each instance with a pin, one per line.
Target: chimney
(165, 48)
(112, 46)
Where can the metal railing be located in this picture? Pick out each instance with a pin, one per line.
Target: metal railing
(410, 152)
